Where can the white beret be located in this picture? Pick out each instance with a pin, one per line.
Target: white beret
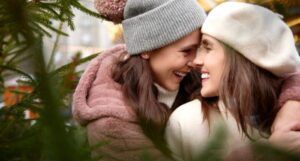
(257, 33)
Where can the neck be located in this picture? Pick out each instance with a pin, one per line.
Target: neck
(165, 96)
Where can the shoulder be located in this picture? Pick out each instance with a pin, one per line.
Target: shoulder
(97, 95)
(100, 68)
(100, 64)
(290, 89)
(186, 111)
(113, 51)
(107, 56)
(186, 131)
(186, 117)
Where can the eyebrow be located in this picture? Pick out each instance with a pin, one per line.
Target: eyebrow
(190, 46)
(205, 42)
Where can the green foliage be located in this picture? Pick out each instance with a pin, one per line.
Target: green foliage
(51, 135)
(213, 151)
(265, 151)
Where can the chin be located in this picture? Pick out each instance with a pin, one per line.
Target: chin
(207, 93)
(172, 88)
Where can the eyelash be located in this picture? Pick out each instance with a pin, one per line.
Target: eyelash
(187, 52)
(207, 48)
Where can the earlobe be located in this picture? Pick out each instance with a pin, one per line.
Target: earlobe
(145, 55)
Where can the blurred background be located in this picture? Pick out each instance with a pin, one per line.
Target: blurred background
(93, 35)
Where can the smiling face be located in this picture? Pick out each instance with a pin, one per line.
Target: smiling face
(171, 63)
(211, 60)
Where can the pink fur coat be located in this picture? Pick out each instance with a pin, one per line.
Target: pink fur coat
(98, 103)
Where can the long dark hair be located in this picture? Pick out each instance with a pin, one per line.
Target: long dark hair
(249, 92)
(134, 75)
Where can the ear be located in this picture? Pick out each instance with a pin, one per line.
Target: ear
(145, 55)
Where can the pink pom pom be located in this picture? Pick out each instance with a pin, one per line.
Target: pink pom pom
(111, 10)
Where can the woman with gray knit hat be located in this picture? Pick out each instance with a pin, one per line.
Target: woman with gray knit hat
(245, 52)
(127, 93)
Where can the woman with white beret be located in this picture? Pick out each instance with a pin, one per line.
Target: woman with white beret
(246, 51)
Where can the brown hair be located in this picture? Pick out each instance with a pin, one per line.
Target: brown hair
(249, 92)
(134, 74)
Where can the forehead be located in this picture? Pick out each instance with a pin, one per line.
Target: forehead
(209, 40)
(190, 39)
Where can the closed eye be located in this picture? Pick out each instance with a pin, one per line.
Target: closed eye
(205, 45)
(205, 48)
(189, 51)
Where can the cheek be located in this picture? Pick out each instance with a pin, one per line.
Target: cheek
(218, 73)
(158, 67)
(211, 87)
(216, 82)
(215, 68)
(159, 70)
(167, 64)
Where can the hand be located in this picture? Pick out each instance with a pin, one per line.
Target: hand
(288, 113)
(286, 127)
(288, 137)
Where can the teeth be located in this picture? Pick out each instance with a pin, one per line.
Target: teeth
(204, 75)
(180, 74)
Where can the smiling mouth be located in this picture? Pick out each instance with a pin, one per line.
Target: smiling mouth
(180, 74)
(205, 76)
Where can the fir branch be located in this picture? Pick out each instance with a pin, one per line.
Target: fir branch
(71, 24)
(11, 47)
(80, 7)
(50, 10)
(18, 49)
(17, 71)
(67, 66)
(67, 13)
(14, 58)
(40, 30)
(17, 53)
(50, 63)
(57, 31)
(269, 152)
(23, 58)
(41, 16)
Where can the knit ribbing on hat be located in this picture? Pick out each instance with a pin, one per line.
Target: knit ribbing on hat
(255, 32)
(161, 25)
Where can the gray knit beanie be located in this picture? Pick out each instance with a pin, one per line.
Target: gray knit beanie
(151, 24)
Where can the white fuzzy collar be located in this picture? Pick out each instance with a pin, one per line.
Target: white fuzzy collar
(165, 96)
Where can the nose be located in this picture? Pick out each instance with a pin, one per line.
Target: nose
(190, 64)
(198, 61)
(191, 59)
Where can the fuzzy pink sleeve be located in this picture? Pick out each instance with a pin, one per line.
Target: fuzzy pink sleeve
(290, 89)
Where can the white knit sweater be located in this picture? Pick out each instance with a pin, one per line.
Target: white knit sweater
(187, 133)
